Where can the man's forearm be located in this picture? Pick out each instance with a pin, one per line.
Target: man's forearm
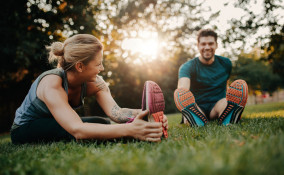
(184, 83)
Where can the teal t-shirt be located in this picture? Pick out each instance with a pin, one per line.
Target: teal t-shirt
(207, 82)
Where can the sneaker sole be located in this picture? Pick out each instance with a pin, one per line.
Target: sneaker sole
(155, 103)
(185, 102)
(236, 96)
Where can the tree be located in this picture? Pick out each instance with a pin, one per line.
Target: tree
(252, 26)
(175, 23)
(27, 26)
(276, 53)
(256, 72)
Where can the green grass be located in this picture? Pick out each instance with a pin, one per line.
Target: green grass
(255, 146)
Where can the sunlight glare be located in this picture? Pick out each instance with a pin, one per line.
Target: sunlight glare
(145, 44)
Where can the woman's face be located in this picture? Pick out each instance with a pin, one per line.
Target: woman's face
(94, 67)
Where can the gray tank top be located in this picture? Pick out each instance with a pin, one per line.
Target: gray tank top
(33, 108)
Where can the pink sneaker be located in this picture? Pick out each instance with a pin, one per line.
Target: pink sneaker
(153, 100)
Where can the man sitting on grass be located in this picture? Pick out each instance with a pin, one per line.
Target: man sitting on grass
(201, 91)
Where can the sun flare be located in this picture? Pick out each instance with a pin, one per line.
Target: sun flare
(144, 43)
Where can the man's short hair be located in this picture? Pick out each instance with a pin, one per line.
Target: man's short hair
(206, 32)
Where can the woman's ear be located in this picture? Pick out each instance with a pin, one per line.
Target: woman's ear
(79, 66)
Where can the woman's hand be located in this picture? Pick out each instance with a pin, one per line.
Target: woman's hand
(147, 131)
(165, 122)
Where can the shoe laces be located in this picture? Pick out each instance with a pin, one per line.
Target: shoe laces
(226, 112)
(198, 113)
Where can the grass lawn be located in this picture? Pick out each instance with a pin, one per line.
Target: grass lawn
(255, 146)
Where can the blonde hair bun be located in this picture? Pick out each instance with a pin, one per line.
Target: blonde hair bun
(78, 48)
(57, 48)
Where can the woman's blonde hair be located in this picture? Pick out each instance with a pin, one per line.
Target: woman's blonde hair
(78, 48)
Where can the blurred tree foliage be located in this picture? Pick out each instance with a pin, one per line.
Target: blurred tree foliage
(253, 24)
(256, 72)
(176, 23)
(276, 53)
(27, 26)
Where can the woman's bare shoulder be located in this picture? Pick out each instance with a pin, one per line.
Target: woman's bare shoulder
(51, 81)
(47, 83)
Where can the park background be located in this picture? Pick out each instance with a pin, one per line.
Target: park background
(143, 40)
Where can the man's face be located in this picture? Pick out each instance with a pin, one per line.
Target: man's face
(207, 46)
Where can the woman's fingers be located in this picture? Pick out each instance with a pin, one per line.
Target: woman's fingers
(165, 122)
(153, 125)
(155, 135)
(149, 131)
(153, 139)
(153, 130)
(142, 114)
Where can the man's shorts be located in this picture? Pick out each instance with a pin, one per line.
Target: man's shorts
(207, 108)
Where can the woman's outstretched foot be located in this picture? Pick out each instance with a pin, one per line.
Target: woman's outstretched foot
(153, 100)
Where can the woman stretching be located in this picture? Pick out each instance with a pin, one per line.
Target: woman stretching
(47, 113)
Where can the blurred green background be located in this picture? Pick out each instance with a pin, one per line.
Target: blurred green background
(143, 40)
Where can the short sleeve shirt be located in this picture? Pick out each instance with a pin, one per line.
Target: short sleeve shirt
(207, 82)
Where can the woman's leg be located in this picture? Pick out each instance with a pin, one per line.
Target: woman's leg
(47, 130)
(95, 119)
(40, 130)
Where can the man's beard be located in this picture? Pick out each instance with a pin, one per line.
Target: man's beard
(208, 58)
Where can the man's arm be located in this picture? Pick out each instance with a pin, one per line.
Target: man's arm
(184, 83)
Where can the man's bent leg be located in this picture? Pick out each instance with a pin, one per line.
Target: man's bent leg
(236, 96)
(218, 109)
(185, 102)
(185, 121)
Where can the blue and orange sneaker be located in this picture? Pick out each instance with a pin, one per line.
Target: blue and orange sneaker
(185, 102)
(237, 95)
(153, 100)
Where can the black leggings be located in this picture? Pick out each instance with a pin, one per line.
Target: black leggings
(47, 130)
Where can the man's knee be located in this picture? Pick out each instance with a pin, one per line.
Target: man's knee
(218, 108)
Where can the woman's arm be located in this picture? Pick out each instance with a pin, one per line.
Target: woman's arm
(104, 98)
(123, 115)
(50, 91)
(110, 107)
